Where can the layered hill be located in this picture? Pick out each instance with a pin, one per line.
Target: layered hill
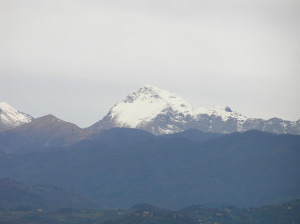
(161, 112)
(18, 195)
(122, 167)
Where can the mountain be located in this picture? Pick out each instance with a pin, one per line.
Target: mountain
(47, 131)
(161, 112)
(11, 118)
(18, 195)
(252, 168)
(121, 137)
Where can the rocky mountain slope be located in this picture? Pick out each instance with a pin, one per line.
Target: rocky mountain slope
(161, 112)
(11, 118)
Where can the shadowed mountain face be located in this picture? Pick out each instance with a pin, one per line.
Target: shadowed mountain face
(123, 167)
(161, 112)
(17, 195)
(43, 132)
(120, 137)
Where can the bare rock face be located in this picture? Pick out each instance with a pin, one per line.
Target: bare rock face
(161, 112)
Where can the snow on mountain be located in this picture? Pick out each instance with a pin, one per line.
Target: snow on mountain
(10, 117)
(219, 111)
(148, 102)
(145, 104)
(162, 112)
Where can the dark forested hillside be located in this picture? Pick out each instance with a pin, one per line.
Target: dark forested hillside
(21, 196)
(125, 167)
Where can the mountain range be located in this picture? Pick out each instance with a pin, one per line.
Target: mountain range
(152, 147)
(160, 112)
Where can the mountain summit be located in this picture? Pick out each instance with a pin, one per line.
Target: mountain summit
(162, 112)
(145, 104)
(11, 118)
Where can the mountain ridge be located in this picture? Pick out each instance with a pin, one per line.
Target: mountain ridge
(161, 112)
(42, 132)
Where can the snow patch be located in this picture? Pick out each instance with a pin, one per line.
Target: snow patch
(10, 117)
(145, 104)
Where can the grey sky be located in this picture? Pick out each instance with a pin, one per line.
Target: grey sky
(76, 59)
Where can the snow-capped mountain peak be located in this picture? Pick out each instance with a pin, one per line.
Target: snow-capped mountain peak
(144, 104)
(10, 117)
(162, 112)
(159, 111)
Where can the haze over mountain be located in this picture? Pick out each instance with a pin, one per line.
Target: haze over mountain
(161, 112)
(118, 167)
(11, 118)
(86, 62)
(121, 167)
(18, 195)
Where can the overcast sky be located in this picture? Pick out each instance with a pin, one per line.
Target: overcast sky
(75, 59)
